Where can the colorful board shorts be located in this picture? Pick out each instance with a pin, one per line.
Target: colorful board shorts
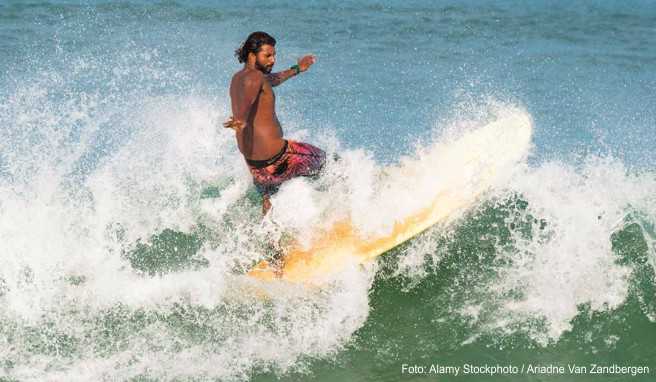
(295, 159)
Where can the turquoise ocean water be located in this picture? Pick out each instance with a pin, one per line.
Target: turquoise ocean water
(127, 216)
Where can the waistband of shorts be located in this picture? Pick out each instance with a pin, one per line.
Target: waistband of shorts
(267, 162)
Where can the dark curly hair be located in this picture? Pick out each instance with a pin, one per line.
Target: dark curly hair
(253, 44)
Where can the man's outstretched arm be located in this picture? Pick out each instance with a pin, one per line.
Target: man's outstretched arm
(303, 64)
(278, 78)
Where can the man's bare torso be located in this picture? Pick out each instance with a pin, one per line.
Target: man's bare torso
(261, 138)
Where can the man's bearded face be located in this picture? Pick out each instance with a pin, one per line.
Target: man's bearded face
(265, 58)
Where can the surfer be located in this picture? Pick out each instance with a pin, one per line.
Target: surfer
(271, 159)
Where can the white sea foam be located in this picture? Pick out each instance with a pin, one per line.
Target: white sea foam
(70, 211)
(567, 262)
(576, 264)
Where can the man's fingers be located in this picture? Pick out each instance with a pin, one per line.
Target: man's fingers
(310, 58)
(234, 125)
(306, 61)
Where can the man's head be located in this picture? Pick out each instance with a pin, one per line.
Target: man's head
(258, 49)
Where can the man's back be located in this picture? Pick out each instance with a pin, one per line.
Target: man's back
(261, 137)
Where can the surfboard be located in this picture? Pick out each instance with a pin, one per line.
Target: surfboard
(480, 158)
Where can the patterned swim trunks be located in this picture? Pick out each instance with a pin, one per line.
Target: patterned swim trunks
(295, 159)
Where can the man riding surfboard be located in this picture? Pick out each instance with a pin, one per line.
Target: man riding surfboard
(271, 159)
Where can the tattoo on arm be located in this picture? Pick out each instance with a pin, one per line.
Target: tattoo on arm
(278, 78)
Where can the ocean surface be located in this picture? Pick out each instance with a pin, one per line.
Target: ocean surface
(128, 217)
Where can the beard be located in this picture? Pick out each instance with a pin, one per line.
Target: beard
(262, 68)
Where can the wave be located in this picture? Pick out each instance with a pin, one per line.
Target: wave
(128, 218)
(139, 262)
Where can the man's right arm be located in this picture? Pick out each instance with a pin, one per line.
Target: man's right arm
(246, 96)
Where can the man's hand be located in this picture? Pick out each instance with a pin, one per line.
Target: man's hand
(305, 62)
(233, 123)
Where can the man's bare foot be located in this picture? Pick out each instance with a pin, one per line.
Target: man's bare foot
(278, 267)
(277, 261)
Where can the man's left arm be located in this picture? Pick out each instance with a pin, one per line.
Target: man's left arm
(304, 64)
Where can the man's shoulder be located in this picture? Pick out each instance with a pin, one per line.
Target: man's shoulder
(249, 77)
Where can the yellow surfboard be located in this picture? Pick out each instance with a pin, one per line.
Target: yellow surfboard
(480, 159)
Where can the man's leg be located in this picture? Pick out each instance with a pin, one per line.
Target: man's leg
(304, 159)
(266, 204)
